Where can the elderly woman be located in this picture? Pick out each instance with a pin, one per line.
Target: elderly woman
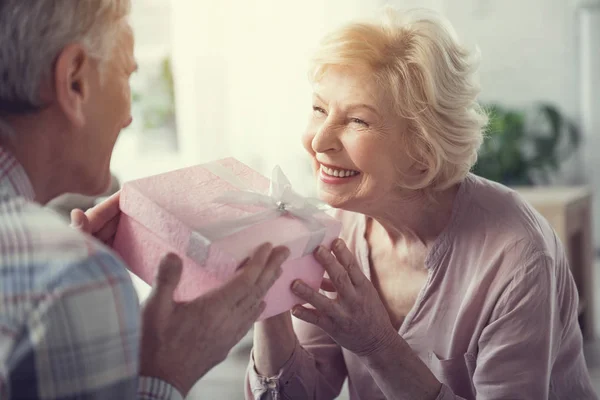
(445, 285)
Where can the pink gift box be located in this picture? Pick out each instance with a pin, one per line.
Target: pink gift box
(206, 215)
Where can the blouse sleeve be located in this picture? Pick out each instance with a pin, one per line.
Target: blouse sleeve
(316, 370)
(519, 346)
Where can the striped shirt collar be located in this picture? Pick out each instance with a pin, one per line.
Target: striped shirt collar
(13, 178)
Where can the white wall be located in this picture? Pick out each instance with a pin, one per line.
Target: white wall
(529, 48)
(590, 101)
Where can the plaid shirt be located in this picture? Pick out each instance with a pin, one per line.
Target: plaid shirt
(69, 315)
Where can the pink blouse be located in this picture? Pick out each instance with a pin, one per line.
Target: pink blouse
(497, 318)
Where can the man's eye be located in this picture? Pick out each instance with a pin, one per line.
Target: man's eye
(318, 109)
(359, 121)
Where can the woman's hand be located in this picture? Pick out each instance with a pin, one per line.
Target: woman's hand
(356, 319)
(100, 221)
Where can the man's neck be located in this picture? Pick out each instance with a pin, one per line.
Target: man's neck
(38, 154)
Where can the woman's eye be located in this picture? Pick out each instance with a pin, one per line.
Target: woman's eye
(359, 121)
(318, 109)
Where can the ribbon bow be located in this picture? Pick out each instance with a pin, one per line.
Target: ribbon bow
(280, 200)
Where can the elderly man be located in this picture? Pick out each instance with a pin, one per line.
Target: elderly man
(69, 315)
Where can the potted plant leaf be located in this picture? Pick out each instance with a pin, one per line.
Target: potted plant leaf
(156, 106)
(526, 147)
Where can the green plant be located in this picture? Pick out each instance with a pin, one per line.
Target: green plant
(157, 103)
(524, 148)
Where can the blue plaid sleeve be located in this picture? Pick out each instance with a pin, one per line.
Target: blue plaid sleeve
(81, 339)
(69, 315)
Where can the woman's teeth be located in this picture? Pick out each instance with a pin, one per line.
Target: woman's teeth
(338, 173)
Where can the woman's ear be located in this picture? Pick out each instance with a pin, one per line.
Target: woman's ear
(73, 74)
(417, 158)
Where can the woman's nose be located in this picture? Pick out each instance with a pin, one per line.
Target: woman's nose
(326, 139)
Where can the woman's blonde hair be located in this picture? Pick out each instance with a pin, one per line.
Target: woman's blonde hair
(415, 56)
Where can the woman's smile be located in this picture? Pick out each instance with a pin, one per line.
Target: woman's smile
(333, 175)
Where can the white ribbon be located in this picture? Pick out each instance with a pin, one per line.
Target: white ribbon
(281, 200)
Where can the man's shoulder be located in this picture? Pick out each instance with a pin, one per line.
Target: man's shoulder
(67, 306)
(39, 248)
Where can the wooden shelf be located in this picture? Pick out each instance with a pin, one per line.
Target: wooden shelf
(569, 211)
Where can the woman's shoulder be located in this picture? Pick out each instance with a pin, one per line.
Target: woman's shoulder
(504, 207)
(502, 239)
(498, 217)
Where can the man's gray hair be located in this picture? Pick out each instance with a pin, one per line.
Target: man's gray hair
(34, 32)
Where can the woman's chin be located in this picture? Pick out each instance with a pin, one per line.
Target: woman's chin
(330, 199)
(338, 194)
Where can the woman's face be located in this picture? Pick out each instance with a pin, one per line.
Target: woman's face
(354, 139)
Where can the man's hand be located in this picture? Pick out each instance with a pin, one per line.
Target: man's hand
(100, 221)
(183, 341)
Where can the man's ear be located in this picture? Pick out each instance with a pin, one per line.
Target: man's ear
(73, 76)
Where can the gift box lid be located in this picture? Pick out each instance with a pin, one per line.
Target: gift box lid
(182, 208)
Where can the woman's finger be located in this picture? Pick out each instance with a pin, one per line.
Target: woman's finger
(336, 272)
(345, 257)
(312, 297)
(312, 317)
(328, 286)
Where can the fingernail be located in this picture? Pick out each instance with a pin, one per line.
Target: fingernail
(75, 221)
(338, 244)
(172, 258)
(284, 255)
(298, 286)
(321, 251)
